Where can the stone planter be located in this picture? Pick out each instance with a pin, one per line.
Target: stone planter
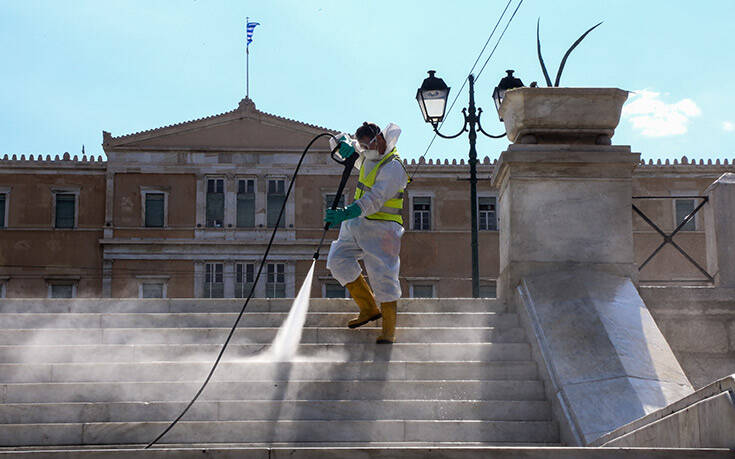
(562, 115)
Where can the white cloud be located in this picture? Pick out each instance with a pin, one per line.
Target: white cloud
(655, 118)
(728, 126)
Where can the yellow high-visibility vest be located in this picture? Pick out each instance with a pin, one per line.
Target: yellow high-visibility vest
(391, 210)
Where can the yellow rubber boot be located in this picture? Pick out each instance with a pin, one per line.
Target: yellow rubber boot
(389, 323)
(363, 296)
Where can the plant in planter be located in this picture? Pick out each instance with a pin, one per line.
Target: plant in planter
(564, 59)
(561, 115)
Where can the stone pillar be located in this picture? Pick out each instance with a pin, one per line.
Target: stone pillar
(719, 228)
(564, 206)
(107, 279)
(567, 265)
(109, 204)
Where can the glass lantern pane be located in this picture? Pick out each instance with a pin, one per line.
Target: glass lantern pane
(420, 100)
(435, 101)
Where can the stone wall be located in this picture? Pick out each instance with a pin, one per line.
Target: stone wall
(699, 325)
(704, 419)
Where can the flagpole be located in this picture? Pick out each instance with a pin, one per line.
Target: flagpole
(247, 61)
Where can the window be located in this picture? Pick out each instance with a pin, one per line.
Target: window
(152, 290)
(685, 207)
(246, 204)
(62, 290)
(422, 213)
(152, 286)
(329, 199)
(332, 289)
(276, 198)
(154, 210)
(214, 285)
(65, 210)
(487, 215)
(3, 288)
(422, 291)
(215, 202)
(3, 206)
(488, 290)
(275, 286)
(244, 279)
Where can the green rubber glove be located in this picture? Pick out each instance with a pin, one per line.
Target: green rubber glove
(340, 214)
(345, 149)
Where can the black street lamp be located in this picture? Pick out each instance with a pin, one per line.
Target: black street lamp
(432, 98)
(508, 82)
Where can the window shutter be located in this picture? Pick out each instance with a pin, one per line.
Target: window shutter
(276, 198)
(246, 204)
(65, 210)
(154, 203)
(153, 290)
(215, 203)
(2, 210)
(423, 291)
(62, 291)
(683, 208)
(334, 290)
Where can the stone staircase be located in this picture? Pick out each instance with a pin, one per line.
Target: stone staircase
(115, 372)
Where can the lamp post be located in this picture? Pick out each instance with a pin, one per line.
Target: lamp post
(432, 98)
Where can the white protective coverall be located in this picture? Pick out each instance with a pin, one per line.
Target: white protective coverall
(376, 242)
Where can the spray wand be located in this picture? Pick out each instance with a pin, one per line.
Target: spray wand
(348, 163)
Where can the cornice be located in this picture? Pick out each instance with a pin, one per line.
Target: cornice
(246, 109)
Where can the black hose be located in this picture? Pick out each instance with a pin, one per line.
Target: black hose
(250, 295)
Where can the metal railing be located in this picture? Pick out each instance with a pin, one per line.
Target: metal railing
(669, 238)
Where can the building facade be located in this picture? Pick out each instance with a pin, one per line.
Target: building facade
(187, 210)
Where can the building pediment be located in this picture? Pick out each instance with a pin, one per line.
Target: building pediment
(242, 129)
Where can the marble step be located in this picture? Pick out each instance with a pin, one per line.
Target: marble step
(245, 335)
(362, 347)
(97, 305)
(378, 450)
(234, 410)
(259, 335)
(273, 390)
(250, 319)
(280, 431)
(253, 371)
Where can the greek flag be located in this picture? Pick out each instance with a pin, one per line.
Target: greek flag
(250, 28)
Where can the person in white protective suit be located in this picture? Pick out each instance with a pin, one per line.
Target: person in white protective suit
(371, 227)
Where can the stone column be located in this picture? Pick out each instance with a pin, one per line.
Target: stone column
(109, 204)
(719, 228)
(564, 206)
(107, 279)
(567, 265)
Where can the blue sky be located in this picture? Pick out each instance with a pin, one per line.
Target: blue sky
(74, 68)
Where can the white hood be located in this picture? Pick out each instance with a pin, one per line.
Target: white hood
(391, 134)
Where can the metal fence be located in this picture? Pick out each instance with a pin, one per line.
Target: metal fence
(668, 238)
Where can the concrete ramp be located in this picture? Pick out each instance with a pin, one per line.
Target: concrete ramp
(606, 362)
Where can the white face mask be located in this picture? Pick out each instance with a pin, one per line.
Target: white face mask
(371, 154)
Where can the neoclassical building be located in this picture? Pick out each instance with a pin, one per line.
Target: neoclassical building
(186, 210)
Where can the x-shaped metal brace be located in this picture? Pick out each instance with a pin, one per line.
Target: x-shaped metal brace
(669, 238)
